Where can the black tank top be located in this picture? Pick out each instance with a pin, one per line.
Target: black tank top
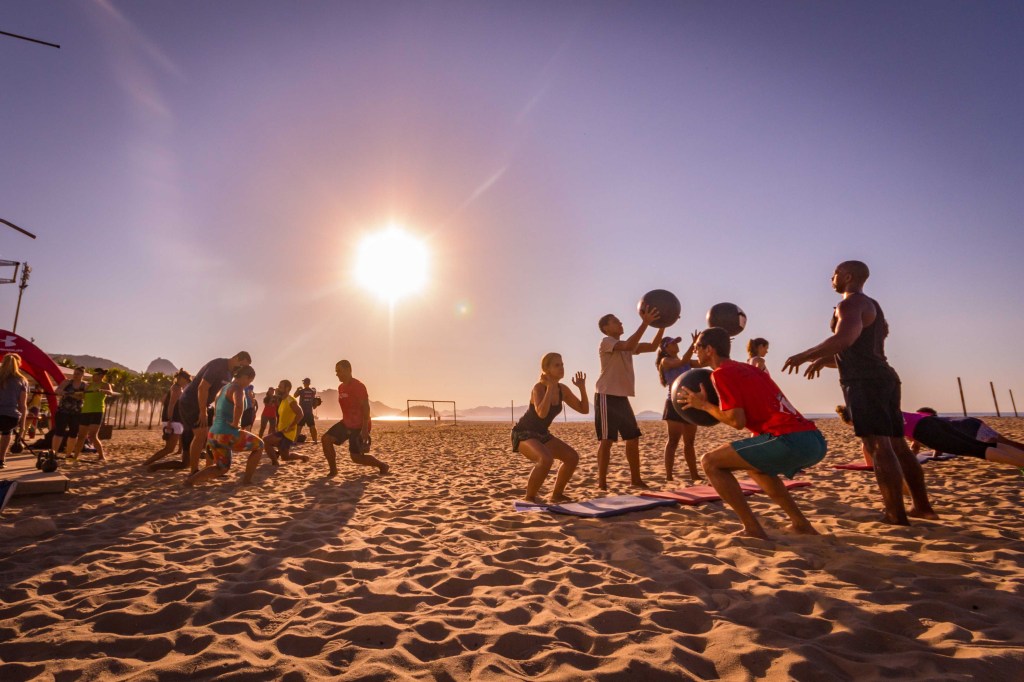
(176, 417)
(531, 421)
(865, 359)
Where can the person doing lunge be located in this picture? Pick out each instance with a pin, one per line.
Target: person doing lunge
(871, 388)
(784, 443)
(286, 426)
(225, 435)
(531, 436)
(170, 416)
(670, 366)
(354, 425)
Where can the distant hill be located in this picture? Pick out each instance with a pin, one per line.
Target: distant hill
(89, 361)
(162, 365)
(648, 416)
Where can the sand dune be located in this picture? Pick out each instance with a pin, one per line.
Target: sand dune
(428, 573)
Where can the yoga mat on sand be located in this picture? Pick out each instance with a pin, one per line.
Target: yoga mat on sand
(854, 466)
(695, 494)
(751, 487)
(609, 506)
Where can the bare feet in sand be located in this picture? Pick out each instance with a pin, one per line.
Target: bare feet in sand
(559, 499)
(803, 529)
(384, 468)
(918, 514)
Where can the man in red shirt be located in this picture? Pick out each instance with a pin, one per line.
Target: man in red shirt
(784, 442)
(354, 425)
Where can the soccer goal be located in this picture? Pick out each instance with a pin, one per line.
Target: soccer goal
(418, 410)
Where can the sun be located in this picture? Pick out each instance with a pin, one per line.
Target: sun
(392, 263)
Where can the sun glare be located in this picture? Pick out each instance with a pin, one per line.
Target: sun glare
(392, 264)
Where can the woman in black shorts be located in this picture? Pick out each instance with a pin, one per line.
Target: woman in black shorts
(13, 401)
(531, 437)
(670, 366)
(939, 435)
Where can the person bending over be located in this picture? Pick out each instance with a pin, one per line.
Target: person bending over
(783, 443)
(531, 436)
(226, 436)
(670, 366)
(196, 398)
(613, 415)
(354, 425)
(871, 388)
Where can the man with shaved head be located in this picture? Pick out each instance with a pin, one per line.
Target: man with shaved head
(871, 388)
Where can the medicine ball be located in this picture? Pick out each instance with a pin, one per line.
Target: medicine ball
(693, 380)
(728, 316)
(667, 305)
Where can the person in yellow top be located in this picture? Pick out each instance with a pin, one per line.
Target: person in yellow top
(289, 414)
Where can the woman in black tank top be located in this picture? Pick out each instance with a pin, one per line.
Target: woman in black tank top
(531, 437)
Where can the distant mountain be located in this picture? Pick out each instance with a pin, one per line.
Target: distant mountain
(492, 414)
(89, 361)
(648, 416)
(329, 408)
(162, 365)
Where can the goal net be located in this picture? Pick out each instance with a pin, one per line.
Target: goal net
(435, 411)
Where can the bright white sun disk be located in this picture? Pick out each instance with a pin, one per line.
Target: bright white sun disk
(392, 264)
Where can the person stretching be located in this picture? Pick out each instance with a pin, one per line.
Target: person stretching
(670, 366)
(926, 428)
(196, 398)
(269, 415)
(531, 436)
(354, 425)
(225, 436)
(784, 442)
(308, 402)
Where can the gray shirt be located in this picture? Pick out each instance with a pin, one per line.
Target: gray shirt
(10, 397)
(616, 370)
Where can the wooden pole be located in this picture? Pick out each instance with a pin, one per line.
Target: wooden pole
(992, 386)
(1014, 403)
(962, 402)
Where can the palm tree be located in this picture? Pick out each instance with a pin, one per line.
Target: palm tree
(157, 384)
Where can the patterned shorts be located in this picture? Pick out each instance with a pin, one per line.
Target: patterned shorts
(223, 444)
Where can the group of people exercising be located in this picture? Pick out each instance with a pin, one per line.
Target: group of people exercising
(783, 441)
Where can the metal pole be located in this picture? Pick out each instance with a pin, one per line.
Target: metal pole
(31, 40)
(408, 414)
(513, 412)
(962, 403)
(990, 385)
(1014, 402)
(455, 414)
(25, 272)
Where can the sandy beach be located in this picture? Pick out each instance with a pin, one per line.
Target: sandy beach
(428, 573)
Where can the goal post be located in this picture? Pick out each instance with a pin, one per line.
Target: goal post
(435, 417)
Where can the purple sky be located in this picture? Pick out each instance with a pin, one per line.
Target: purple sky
(199, 175)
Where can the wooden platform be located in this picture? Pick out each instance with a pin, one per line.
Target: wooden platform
(31, 481)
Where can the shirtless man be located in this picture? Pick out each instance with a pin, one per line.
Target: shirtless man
(613, 415)
(871, 388)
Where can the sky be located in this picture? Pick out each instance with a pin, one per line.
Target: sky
(200, 176)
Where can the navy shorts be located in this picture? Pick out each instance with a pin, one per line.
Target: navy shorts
(875, 407)
(614, 418)
(307, 420)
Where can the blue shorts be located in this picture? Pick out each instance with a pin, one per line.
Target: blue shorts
(782, 455)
